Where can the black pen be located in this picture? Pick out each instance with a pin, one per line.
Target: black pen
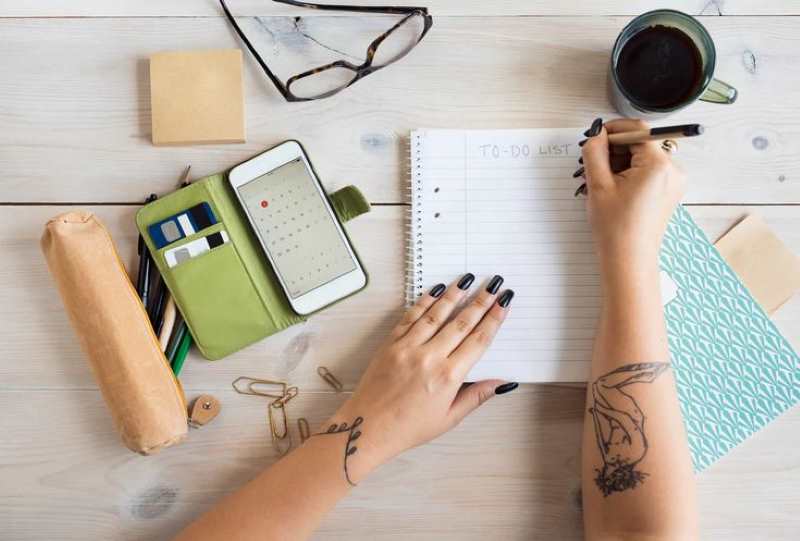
(143, 278)
(655, 134)
(157, 312)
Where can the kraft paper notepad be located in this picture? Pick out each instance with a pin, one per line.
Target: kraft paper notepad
(501, 201)
(197, 97)
(765, 265)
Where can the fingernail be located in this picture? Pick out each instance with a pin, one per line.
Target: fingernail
(581, 190)
(494, 284)
(580, 160)
(466, 281)
(578, 173)
(582, 142)
(437, 290)
(597, 127)
(505, 298)
(506, 387)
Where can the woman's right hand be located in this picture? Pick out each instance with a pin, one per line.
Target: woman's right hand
(633, 192)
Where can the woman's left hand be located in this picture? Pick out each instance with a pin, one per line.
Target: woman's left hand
(412, 391)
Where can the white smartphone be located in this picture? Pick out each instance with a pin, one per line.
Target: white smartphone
(297, 228)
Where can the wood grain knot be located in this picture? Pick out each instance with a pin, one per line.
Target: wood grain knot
(376, 141)
(749, 61)
(297, 348)
(154, 502)
(760, 143)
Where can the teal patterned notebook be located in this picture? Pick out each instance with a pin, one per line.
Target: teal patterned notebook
(734, 370)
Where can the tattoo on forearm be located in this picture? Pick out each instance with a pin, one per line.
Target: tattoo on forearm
(619, 426)
(349, 448)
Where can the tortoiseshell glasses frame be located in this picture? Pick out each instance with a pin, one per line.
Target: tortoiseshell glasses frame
(411, 14)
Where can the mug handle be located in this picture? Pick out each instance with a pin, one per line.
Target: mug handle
(719, 92)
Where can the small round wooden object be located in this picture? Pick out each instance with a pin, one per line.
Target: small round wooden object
(204, 409)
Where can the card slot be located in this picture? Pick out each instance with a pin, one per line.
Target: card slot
(175, 203)
(216, 297)
(210, 230)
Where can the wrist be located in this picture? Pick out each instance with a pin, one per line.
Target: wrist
(632, 271)
(356, 435)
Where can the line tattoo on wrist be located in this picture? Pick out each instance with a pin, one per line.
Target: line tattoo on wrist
(352, 435)
(619, 426)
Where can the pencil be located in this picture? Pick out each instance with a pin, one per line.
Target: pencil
(168, 324)
(655, 134)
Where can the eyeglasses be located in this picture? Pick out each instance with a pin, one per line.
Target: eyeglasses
(325, 81)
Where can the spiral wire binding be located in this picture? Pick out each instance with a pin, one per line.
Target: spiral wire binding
(414, 217)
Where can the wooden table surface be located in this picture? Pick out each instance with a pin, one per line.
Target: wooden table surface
(75, 132)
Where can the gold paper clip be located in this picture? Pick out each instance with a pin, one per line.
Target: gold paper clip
(278, 433)
(302, 428)
(290, 393)
(329, 378)
(247, 386)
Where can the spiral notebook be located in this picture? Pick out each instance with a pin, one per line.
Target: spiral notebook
(501, 202)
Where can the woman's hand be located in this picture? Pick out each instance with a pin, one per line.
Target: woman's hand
(412, 391)
(633, 192)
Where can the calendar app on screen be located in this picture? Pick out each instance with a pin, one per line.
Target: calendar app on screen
(293, 221)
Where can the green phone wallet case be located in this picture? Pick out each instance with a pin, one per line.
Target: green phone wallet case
(229, 296)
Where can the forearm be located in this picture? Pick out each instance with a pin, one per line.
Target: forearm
(637, 472)
(286, 501)
(631, 326)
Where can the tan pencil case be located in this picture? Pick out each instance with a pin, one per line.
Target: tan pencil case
(145, 399)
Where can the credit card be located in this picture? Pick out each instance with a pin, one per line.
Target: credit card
(182, 225)
(179, 254)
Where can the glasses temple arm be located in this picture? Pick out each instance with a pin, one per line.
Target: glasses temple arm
(275, 81)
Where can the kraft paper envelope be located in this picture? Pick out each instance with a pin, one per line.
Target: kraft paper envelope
(764, 264)
(197, 97)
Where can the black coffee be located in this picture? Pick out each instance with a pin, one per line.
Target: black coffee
(660, 67)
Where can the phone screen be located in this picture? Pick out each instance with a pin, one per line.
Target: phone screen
(293, 221)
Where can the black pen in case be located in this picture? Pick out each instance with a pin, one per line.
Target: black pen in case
(157, 312)
(145, 265)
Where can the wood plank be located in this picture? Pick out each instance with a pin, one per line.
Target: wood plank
(209, 8)
(31, 311)
(47, 355)
(77, 128)
(510, 471)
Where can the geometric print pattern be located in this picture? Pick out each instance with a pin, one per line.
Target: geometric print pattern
(734, 371)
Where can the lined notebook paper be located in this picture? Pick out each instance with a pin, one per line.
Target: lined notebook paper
(502, 202)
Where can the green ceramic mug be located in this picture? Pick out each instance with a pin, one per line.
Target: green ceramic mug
(663, 61)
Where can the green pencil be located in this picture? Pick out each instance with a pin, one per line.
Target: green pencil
(175, 340)
(183, 351)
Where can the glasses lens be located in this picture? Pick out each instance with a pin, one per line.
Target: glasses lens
(400, 41)
(323, 83)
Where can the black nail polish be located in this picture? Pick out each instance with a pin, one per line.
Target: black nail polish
(437, 290)
(466, 281)
(582, 142)
(587, 132)
(578, 173)
(580, 160)
(505, 298)
(581, 190)
(506, 387)
(597, 127)
(494, 284)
